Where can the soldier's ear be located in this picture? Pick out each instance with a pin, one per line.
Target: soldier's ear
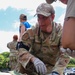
(53, 16)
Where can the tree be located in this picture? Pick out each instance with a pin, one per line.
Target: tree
(72, 61)
(1, 60)
(4, 60)
(5, 54)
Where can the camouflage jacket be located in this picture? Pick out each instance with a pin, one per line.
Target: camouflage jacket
(42, 45)
(12, 46)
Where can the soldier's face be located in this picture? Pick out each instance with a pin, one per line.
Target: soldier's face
(44, 23)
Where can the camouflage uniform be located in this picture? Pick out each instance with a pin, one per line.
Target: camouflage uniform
(13, 54)
(44, 46)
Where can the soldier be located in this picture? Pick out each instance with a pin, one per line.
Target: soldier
(24, 25)
(68, 35)
(13, 52)
(45, 57)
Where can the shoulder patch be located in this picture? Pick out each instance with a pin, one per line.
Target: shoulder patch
(25, 36)
(31, 34)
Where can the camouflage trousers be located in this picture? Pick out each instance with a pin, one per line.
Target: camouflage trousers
(12, 62)
(59, 67)
(30, 69)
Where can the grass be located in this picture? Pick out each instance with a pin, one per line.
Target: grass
(71, 65)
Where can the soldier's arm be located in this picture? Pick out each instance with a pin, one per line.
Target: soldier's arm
(62, 62)
(64, 58)
(22, 30)
(24, 55)
(8, 45)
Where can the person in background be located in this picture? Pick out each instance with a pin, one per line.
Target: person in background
(68, 34)
(46, 55)
(24, 25)
(13, 52)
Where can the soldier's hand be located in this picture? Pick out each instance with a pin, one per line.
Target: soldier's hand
(39, 66)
